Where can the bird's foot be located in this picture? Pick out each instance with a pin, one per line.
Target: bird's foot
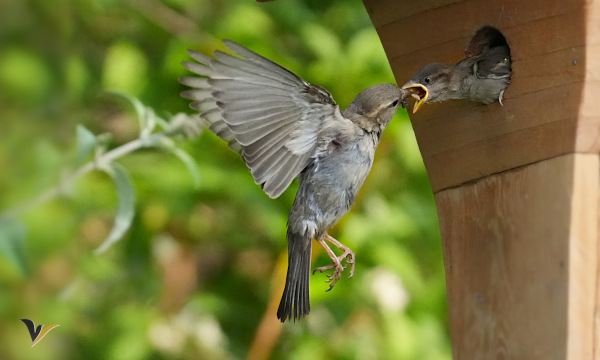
(347, 254)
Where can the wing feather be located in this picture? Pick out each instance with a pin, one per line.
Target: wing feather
(264, 111)
(262, 61)
(199, 69)
(243, 86)
(266, 168)
(263, 121)
(232, 107)
(195, 82)
(257, 149)
(231, 97)
(288, 173)
(283, 129)
(495, 63)
(248, 69)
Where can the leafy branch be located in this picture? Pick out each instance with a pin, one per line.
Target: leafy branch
(13, 233)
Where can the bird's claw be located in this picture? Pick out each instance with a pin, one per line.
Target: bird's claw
(500, 97)
(349, 256)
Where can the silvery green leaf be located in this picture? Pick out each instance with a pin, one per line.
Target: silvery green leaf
(164, 124)
(188, 126)
(86, 142)
(145, 115)
(12, 244)
(125, 209)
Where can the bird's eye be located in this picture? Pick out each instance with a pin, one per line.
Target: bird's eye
(428, 80)
(394, 104)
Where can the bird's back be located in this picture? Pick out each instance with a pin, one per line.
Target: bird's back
(490, 74)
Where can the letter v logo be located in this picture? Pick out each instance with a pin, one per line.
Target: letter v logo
(37, 333)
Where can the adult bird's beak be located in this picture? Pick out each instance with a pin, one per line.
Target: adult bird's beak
(419, 92)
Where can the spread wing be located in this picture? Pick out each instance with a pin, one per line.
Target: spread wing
(276, 120)
(494, 63)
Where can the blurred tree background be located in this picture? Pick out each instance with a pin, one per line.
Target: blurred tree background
(200, 272)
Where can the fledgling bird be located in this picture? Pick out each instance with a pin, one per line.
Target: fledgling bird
(482, 76)
(285, 128)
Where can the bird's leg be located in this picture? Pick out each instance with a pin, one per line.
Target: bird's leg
(337, 260)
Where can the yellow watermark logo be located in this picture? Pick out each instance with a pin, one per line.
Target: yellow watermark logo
(37, 333)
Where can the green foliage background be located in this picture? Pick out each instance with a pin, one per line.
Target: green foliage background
(194, 276)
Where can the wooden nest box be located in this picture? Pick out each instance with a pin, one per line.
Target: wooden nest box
(516, 186)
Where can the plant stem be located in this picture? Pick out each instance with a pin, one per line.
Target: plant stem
(98, 163)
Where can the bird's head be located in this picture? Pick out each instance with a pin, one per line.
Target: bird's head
(374, 107)
(432, 83)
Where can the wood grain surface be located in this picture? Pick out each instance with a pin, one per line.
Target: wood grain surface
(516, 186)
(521, 259)
(552, 105)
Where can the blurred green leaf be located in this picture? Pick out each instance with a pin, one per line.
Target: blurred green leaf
(77, 77)
(12, 244)
(247, 20)
(125, 209)
(24, 76)
(144, 114)
(86, 142)
(125, 68)
(366, 54)
(322, 42)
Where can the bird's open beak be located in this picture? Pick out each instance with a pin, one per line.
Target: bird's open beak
(418, 92)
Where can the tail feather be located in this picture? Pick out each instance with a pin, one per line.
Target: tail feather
(295, 301)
